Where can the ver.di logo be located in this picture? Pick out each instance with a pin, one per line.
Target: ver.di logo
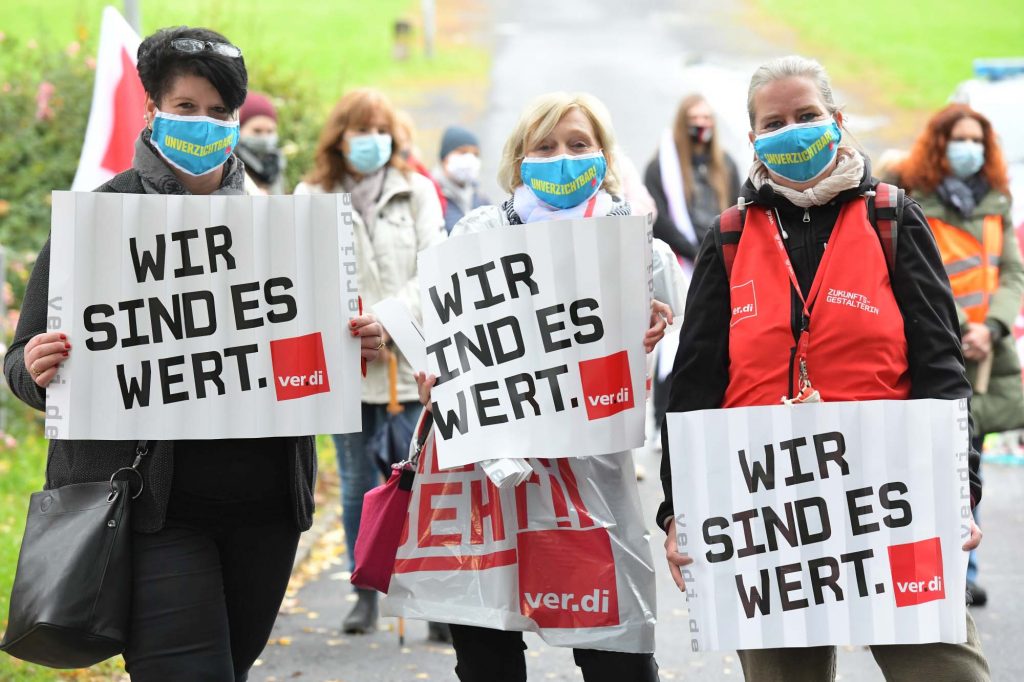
(744, 302)
(300, 369)
(607, 385)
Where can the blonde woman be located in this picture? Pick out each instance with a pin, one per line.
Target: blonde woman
(559, 138)
(908, 349)
(691, 179)
(396, 214)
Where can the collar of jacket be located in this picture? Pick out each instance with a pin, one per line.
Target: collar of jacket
(396, 183)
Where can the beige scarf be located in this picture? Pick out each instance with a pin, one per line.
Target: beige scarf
(848, 173)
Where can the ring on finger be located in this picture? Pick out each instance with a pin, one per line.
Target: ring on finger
(380, 345)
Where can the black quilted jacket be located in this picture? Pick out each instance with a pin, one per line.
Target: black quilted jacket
(80, 461)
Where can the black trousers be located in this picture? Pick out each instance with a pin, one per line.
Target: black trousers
(204, 600)
(485, 655)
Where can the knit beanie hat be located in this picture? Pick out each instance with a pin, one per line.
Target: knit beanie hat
(256, 104)
(455, 137)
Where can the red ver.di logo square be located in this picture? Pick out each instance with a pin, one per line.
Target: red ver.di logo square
(567, 578)
(607, 386)
(299, 366)
(917, 572)
(744, 302)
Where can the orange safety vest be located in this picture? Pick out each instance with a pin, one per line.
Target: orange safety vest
(972, 267)
(854, 345)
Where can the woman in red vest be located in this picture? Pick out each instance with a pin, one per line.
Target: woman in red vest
(745, 339)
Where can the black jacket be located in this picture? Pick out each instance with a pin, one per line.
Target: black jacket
(701, 371)
(664, 227)
(80, 461)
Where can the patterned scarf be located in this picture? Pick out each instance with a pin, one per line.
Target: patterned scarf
(524, 207)
(158, 178)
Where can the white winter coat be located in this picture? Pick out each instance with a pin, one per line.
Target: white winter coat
(408, 220)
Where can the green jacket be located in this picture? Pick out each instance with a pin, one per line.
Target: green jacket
(1002, 406)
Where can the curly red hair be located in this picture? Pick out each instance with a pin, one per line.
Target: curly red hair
(926, 166)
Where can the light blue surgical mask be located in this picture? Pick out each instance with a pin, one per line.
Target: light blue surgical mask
(800, 152)
(966, 157)
(565, 180)
(196, 145)
(368, 153)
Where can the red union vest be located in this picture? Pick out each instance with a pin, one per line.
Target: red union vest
(854, 345)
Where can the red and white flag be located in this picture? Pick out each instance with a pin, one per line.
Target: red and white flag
(118, 105)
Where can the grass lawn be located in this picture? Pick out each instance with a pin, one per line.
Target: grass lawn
(915, 51)
(22, 470)
(333, 44)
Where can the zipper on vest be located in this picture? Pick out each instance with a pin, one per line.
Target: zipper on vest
(807, 215)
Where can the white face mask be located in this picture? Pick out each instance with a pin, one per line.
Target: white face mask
(463, 168)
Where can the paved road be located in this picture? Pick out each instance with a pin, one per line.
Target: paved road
(639, 61)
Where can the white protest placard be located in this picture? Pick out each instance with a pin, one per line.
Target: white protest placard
(824, 523)
(396, 318)
(203, 316)
(536, 335)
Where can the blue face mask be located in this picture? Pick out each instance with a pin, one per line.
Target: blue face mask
(966, 157)
(195, 145)
(564, 181)
(368, 153)
(800, 152)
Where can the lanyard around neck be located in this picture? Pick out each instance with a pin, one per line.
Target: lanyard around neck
(808, 302)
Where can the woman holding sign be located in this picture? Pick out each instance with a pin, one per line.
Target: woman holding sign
(217, 522)
(896, 337)
(396, 214)
(559, 139)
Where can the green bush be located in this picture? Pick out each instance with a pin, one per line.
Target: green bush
(44, 107)
(300, 115)
(47, 103)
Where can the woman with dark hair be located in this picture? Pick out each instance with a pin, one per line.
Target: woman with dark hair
(957, 173)
(692, 179)
(396, 214)
(217, 522)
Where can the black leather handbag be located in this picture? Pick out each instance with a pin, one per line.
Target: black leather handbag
(71, 600)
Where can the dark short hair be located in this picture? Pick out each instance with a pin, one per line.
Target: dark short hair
(160, 64)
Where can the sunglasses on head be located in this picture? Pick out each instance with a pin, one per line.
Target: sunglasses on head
(194, 46)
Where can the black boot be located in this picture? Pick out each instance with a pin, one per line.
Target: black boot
(976, 595)
(363, 616)
(439, 632)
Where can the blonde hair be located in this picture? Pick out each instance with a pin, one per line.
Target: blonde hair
(718, 171)
(793, 66)
(537, 122)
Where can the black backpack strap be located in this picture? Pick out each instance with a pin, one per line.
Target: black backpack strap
(885, 211)
(730, 229)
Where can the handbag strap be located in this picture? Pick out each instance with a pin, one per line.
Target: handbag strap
(421, 439)
(141, 452)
